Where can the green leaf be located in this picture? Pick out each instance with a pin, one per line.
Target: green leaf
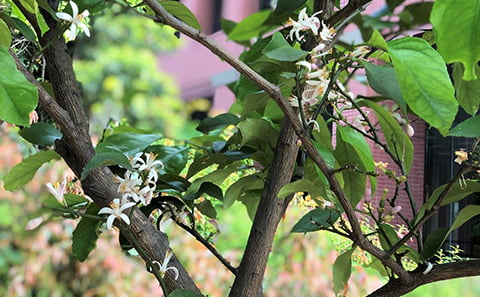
(5, 36)
(347, 155)
(467, 92)
(180, 11)
(279, 49)
(204, 162)
(468, 128)
(206, 208)
(238, 189)
(24, 171)
(301, 185)
(174, 158)
(359, 144)
(220, 121)
(250, 27)
(436, 238)
(106, 159)
(288, 6)
(456, 193)
(315, 220)
(257, 131)
(383, 80)
(41, 134)
(433, 242)
(424, 81)
(458, 41)
(18, 97)
(183, 293)
(85, 235)
(73, 199)
(376, 40)
(25, 29)
(342, 269)
(398, 141)
(127, 143)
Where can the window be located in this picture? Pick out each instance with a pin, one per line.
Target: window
(439, 169)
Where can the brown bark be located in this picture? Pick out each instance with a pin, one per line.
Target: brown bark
(271, 209)
(76, 148)
(441, 272)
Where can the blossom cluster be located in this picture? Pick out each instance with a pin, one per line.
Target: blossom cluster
(137, 186)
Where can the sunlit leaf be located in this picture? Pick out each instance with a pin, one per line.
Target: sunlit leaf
(342, 269)
(467, 92)
(5, 36)
(468, 128)
(279, 49)
(458, 41)
(18, 97)
(250, 27)
(180, 11)
(424, 81)
(24, 171)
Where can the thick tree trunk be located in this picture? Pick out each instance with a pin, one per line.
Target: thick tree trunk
(271, 209)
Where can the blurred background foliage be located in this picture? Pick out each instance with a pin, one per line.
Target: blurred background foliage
(119, 76)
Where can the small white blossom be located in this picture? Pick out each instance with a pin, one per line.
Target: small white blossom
(58, 190)
(327, 33)
(76, 20)
(304, 23)
(116, 211)
(163, 268)
(129, 186)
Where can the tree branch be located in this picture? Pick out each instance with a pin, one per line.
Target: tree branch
(440, 272)
(274, 92)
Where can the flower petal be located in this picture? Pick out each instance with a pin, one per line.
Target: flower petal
(74, 9)
(110, 220)
(125, 218)
(105, 210)
(64, 16)
(174, 270)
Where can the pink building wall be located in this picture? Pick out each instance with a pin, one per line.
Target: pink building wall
(196, 69)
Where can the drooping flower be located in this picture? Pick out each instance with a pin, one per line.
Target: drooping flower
(304, 23)
(461, 157)
(77, 21)
(116, 211)
(163, 267)
(58, 190)
(326, 34)
(150, 165)
(129, 186)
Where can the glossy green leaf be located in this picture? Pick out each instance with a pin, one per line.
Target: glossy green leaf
(126, 143)
(24, 171)
(383, 80)
(342, 269)
(424, 81)
(180, 11)
(183, 293)
(204, 162)
(359, 144)
(257, 131)
(174, 158)
(216, 178)
(238, 189)
(220, 121)
(301, 185)
(398, 141)
(106, 159)
(458, 41)
(18, 97)
(85, 235)
(465, 215)
(41, 134)
(467, 92)
(456, 193)
(5, 36)
(468, 128)
(315, 220)
(279, 49)
(249, 27)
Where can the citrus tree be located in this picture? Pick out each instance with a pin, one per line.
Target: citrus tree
(294, 127)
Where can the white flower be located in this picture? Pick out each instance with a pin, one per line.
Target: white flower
(76, 20)
(462, 156)
(116, 211)
(163, 268)
(130, 185)
(148, 164)
(327, 33)
(58, 190)
(304, 23)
